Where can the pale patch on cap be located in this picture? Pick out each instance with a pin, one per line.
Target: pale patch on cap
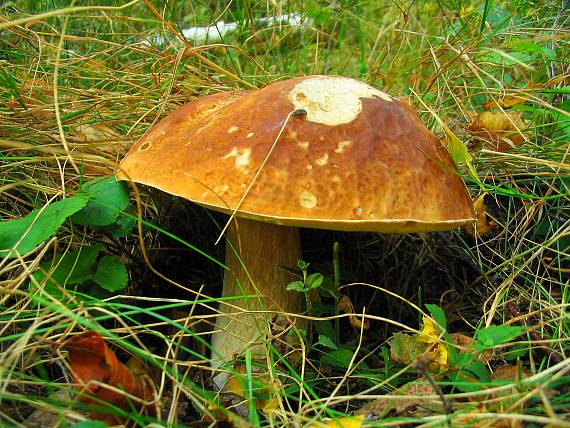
(332, 100)
(241, 158)
(307, 200)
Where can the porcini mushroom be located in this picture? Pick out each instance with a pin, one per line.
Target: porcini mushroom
(316, 151)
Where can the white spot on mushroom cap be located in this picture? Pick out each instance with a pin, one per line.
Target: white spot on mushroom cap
(233, 129)
(322, 161)
(241, 158)
(251, 134)
(307, 200)
(304, 145)
(332, 100)
(342, 145)
(221, 190)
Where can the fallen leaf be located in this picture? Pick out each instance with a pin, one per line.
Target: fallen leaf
(482, 226)
(499, 130)
(465, 344)
(347, 422)
(263, 386)
(504, 102)
(503, 402)
(430, 335)
(510, 373)
(93, 365)
(406, 348)
(358, 322)
(413, 402)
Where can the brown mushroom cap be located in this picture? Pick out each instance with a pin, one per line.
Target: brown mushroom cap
(358, 160)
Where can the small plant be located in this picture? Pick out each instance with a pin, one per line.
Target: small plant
(97, 205)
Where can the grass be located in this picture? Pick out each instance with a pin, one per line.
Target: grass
(79, 84)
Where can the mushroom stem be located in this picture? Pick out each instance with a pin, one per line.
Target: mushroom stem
(254, 252)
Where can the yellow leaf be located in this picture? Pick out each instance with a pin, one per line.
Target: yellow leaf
(235, 385)
(482, 226)
(500, 130)
(415, 404)
(430, 335)
(406, 348)
(348, 422)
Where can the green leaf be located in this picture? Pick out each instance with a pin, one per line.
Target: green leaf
(90, 424)
(324, 328)
(314, 280)
(326, 341)
(107, 198)
(24, 234)
(111, 274)
(405, 348)
(471, 377)
(298, 286)
(437, 314)
(496, 335)
(68, 269)
(486, 9)
(459, 153)
(329, 289)
(123, 226)
(341, 359)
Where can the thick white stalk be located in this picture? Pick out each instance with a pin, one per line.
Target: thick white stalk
(257, 250)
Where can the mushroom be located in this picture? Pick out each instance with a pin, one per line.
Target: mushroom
(315, 151)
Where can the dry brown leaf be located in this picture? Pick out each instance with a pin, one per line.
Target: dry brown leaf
(345, 305)
(464, 343)
(506, 404)
(93, 364)
(414, 405)
(504, 102)
(499, 130)
(510, 373)
(95, 132)
(482, 226)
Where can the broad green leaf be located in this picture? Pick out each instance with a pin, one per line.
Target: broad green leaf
(123, 226)
(324, 327)
(111, 274)
(298, 286)
(107, 197)
(329, 289)
(437, 314)
(471, 377)
(341, 359)
(314, 280)
(496, 335)
(70, 268)
(25, 234)
(326, 341)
